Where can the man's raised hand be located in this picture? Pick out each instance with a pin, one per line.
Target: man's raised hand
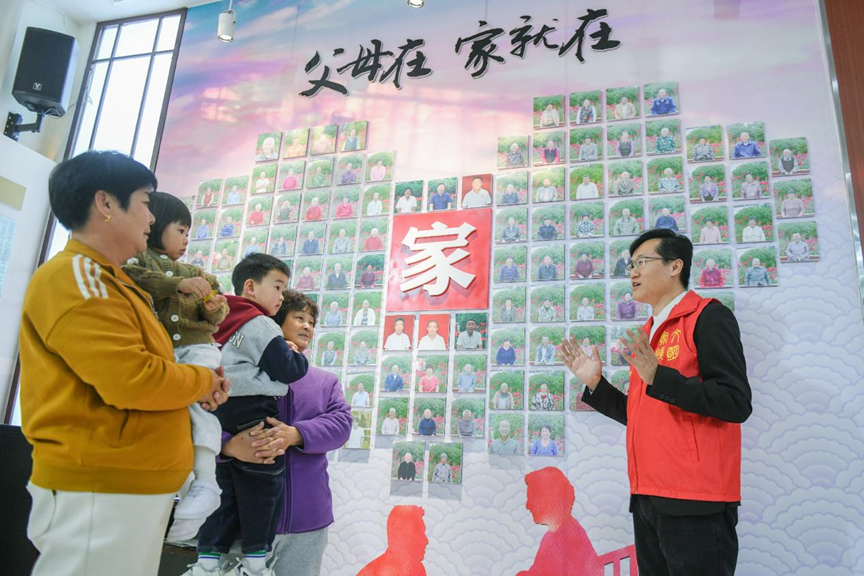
(589, 369)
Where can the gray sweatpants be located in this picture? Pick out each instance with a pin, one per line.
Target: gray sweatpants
(299, 554)
(293, 554)
(206, 431)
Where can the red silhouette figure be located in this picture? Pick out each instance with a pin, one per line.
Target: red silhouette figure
(565, 550)
(406, 545)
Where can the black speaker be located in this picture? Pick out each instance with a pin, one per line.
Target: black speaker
(43, 82)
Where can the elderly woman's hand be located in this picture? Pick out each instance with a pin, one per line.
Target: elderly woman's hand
(241, 448)
(279, 437)
(261, 446)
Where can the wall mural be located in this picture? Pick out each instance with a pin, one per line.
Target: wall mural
(448, 274)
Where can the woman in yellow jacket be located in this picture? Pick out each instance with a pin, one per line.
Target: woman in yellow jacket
(102, 401)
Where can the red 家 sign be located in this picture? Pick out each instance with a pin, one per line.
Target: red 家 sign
(440, 261)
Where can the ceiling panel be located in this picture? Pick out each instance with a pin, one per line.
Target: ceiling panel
(84, 11)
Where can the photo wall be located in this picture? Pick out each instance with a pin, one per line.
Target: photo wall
(453, 407)
(561, 257)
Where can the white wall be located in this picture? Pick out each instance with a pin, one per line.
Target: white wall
(17, 16)
(30, 170)
(29, 161)
(8, 27)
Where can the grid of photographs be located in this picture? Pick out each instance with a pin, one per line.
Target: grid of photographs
(566, 208)
(562, 246)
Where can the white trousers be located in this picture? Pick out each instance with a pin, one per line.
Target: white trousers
(92, 534)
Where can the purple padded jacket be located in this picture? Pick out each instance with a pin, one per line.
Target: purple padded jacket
(316, 406)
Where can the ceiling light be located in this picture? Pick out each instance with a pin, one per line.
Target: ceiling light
(415, 3)
(227, 19)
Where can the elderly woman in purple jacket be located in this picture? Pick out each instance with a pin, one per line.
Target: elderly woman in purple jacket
(314, 418)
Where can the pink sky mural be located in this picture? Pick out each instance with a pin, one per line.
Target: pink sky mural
(448, 123)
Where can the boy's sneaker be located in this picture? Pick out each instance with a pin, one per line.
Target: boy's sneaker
(200, 502)
(242, 570)
(198, 570)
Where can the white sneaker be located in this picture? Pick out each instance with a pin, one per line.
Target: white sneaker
(182, 530)
(242, 570)
(198, 570)
(200, 502)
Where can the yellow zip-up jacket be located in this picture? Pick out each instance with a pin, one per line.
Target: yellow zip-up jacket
(102, 401)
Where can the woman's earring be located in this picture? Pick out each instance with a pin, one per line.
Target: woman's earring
(108, 219)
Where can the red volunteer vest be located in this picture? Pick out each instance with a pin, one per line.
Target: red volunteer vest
(670, 452)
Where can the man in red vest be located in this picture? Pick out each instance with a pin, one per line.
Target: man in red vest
(688, 395)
